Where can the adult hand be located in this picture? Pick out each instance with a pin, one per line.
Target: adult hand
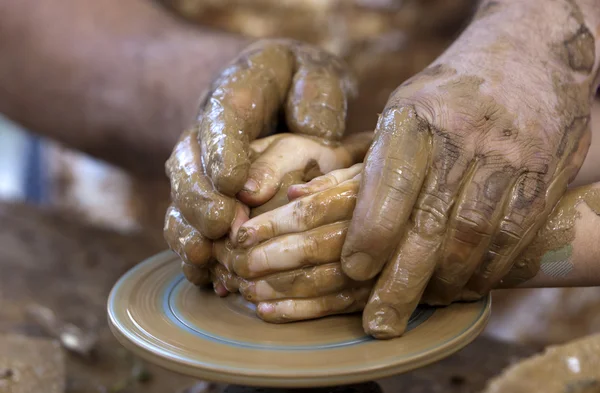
(212, 162)
(469, 159)
(321, 212)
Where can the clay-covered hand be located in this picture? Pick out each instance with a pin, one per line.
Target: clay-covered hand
(311, 228)
(289, 257)
(470, 157)
(212, 162)
(287, 158)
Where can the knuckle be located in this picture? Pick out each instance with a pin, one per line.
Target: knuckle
(430, 215)
(508, 236)
(530, 191)
(398, 176)
(472, 225)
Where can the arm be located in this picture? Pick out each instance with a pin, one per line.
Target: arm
(117, 79)
(471, 156)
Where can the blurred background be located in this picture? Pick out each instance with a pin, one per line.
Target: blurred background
(384, 41)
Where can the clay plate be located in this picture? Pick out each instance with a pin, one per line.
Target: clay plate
(158, 315)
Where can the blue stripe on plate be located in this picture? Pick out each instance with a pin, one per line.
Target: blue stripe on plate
(172, 312)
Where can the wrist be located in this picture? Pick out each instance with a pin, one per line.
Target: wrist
(557, 36)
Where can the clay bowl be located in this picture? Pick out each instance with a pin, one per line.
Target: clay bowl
(154, 312)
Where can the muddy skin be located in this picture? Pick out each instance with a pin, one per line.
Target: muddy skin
(280, 198)
(220, 274)
(196, 275)
(210, 163)
(315, 247)
(315, 281)
(325, 207)
(317, 102)
(290, 152)
(578, 50)
(284, 311)
(309, 282)
(312, 85)
(247, 97)
(553, 243)
(472, 121)
(192, 191)
(186, 241)
(404, 141)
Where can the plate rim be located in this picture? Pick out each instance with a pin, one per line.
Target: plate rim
(152, 353)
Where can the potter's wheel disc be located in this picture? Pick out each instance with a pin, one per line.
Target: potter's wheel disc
(158, 315)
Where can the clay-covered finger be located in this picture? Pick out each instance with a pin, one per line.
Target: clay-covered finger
(317, 103)
(258, 146)
(474, 220)
(313, 211)
(199, 276)
(400, 286)
(531, 203)
(185, 240)
(243, 105)
(324, 182)
(192, 191)
(226, 253)
(242, 214)
(229, 281)
(392, 177)
(315, 247)
(281, 196)
(290, 310)
(294, 153)
(308, 282)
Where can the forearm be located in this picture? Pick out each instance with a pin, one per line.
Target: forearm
(549, 35)
(119, 80)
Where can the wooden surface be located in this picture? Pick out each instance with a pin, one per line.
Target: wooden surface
(54, 263)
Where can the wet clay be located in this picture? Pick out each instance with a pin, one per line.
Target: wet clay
(192, 192)
(185, 240)
(314, 247)
(247, 96)
(196, 275)
(553, 243)
(317, 103)
(230, 281)
(578, 50)
(569, 368)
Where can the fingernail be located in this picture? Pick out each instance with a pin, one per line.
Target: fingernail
(383, 322)
(251, 186)
(247, 290)
(358, 266)
(266, 308)
(220, 289)
(245, 236)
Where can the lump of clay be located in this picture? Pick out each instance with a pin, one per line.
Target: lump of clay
(570, 368)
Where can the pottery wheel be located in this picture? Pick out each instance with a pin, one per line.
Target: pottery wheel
(158, 315)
